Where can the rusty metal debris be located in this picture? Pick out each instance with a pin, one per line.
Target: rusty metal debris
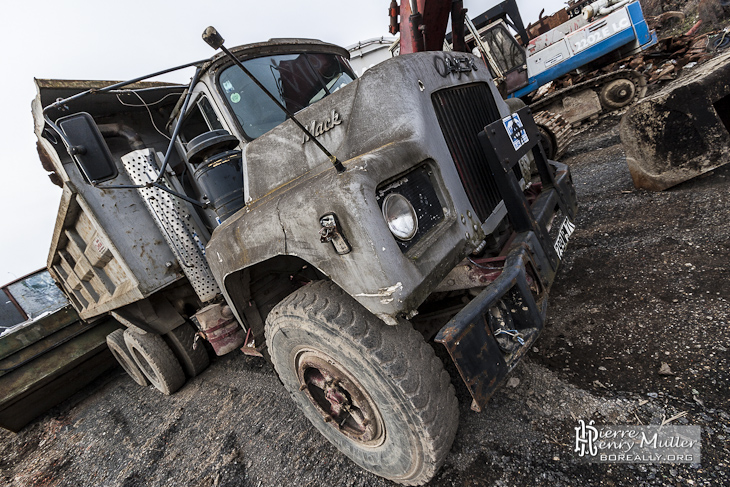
(665, 19)
(681, 131)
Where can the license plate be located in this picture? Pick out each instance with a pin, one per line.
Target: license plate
(561, 242)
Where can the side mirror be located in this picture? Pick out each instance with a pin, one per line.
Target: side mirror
(87, 147)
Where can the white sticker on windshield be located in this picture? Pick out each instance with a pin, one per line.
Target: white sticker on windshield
(227, 86)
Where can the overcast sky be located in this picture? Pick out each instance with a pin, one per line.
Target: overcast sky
(83, 39)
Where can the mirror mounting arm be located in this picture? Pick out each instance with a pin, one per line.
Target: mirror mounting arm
(74, 150)
(153, 184)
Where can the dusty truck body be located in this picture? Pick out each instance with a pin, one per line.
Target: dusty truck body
(335, 242)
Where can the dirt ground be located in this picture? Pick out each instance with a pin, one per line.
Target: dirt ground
(644, 283)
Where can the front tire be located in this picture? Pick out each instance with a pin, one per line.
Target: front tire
(377, 392)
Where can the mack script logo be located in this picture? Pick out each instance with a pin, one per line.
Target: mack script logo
(318, 128)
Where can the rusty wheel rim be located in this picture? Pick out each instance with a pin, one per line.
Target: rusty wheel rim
(339, 398)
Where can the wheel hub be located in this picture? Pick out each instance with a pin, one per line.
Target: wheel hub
(339, 398)
(620, 92)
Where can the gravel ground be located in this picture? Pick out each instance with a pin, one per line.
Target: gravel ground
(643, 287)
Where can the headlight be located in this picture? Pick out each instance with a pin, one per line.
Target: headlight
(400, 216)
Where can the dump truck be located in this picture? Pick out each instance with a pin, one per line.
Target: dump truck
(281, 206)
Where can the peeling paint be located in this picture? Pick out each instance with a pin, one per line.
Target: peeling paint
(384, 292)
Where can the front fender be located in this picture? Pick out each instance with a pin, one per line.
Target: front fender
(376, 272)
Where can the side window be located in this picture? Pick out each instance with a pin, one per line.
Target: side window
(201, 118)
(507, 53)
(213, 122)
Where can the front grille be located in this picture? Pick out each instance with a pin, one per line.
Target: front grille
(463, 112)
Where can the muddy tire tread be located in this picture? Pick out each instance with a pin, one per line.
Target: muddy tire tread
(115, 342)
(180, 340)
(429, 389)
(166, 372)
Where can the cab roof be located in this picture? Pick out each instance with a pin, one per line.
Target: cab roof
(274, 47)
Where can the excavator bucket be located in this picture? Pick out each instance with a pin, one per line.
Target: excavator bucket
(681, 131)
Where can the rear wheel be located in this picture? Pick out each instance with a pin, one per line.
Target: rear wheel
(181, 340)
(156, 361)
(377, 392)
(115, 342)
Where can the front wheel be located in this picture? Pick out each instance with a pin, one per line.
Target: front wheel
(377, 392)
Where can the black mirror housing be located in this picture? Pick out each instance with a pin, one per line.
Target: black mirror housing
(88, 148)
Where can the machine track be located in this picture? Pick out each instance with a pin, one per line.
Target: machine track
(556, 131)
(602, 85)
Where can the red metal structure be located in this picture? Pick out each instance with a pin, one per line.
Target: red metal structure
(422, 24)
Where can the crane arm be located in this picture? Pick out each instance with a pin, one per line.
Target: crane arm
(422, 24)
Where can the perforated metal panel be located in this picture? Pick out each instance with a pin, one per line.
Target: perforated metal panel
(175, 222)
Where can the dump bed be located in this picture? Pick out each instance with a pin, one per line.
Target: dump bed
(106, 250)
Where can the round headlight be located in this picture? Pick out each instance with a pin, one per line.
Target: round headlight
(400, 216)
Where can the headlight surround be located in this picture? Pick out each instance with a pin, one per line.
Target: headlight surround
(400, 216)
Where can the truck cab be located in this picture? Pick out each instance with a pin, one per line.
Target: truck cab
(334, 240)
(299, 73)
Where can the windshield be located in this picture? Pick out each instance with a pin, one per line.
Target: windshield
(507, 53)
(297, 80)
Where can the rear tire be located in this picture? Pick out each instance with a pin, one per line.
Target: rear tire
(181, 340)
(376, 392)
(156, 361)
(115, 342)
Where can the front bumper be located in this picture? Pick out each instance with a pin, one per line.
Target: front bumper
(514, 305)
